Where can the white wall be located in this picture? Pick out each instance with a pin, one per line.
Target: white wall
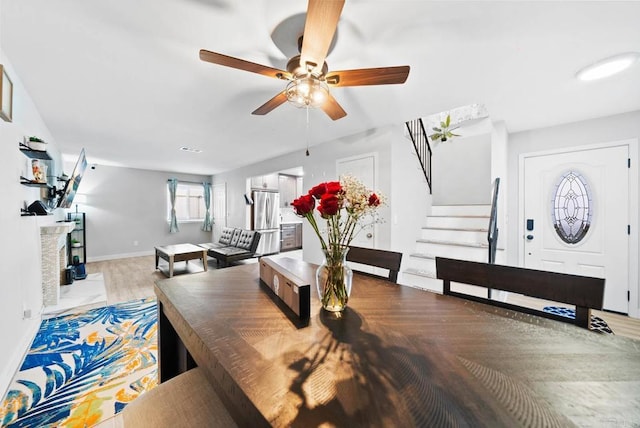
(499, 169)
(411, 199)
(20, 263)
(462, 171)
(126, 211)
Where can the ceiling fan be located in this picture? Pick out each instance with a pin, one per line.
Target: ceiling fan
(308, 74)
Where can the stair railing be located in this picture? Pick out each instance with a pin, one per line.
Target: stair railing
(492, 234)
(422, 147)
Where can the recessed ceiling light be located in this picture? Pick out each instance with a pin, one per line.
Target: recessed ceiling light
(190, 150)
(608, 66)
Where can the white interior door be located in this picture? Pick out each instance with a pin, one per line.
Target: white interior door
(219, 202)
(363, 168)
(576, 217)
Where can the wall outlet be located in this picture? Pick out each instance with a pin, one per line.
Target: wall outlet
(135, 243)
(26, 314)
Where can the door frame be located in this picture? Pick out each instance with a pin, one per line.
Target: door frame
(632, 144)
(374, 187)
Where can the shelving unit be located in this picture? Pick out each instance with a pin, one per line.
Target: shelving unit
(78, 234)
(43, 156)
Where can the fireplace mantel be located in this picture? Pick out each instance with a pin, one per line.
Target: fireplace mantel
(60, 228)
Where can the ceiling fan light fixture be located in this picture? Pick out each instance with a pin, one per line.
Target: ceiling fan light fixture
(608, 66)
(307, 91)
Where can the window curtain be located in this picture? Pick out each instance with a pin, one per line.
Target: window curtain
(173, 186)
(206, 226)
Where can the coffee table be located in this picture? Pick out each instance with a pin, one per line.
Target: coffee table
(180, 253)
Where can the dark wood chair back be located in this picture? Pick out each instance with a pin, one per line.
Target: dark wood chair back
(378, 258)
(584, 292)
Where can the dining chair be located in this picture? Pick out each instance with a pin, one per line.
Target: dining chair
(378, 258)
(185, 400)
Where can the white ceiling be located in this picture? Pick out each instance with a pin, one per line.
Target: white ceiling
(123, 78)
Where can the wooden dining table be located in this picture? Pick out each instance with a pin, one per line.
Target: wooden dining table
(396, 357)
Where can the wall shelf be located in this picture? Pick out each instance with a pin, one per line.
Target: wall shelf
(30, 183)
(34, 154)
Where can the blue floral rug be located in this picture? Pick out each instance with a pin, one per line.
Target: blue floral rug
(84, 368)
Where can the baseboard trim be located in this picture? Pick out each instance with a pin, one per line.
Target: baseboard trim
(120, 256)
(6, 375)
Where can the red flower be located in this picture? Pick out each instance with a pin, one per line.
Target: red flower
(333, 187)
(374, 200)
(329, 205)
(304, 204)
(318, 190)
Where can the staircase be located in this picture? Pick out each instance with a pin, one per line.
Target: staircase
(453, 231)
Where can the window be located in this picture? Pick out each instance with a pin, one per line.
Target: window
(572, 207)
(189, 202)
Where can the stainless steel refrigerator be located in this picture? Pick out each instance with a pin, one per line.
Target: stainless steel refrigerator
(265, 218)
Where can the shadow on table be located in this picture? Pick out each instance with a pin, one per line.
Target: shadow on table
(355, 376)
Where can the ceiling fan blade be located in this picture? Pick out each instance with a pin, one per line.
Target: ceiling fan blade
(369, 76)
(333, 109)
(319, 28)
(271, 104)
(229, 61)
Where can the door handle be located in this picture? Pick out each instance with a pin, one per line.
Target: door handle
(369, 235)
(529, 237)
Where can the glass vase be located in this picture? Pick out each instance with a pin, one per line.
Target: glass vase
(333, 279)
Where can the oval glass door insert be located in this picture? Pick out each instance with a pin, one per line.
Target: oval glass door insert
(572, 207)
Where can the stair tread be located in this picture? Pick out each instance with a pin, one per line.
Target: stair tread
(458, 244)
(457, 229)
(423, 255)
(460, 216)
(420, 272)
(462, 206)
(450, 229)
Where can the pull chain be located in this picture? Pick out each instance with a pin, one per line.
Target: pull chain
(307, 131)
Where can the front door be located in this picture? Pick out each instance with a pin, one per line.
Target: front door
(576, 217)
(219, 209)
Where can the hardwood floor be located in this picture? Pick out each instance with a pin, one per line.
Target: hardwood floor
(134, 278)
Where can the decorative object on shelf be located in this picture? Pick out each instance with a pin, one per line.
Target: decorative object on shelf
(6, 95)
(347, 206)
(444, 132)
(35, 143)
(39, 171)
